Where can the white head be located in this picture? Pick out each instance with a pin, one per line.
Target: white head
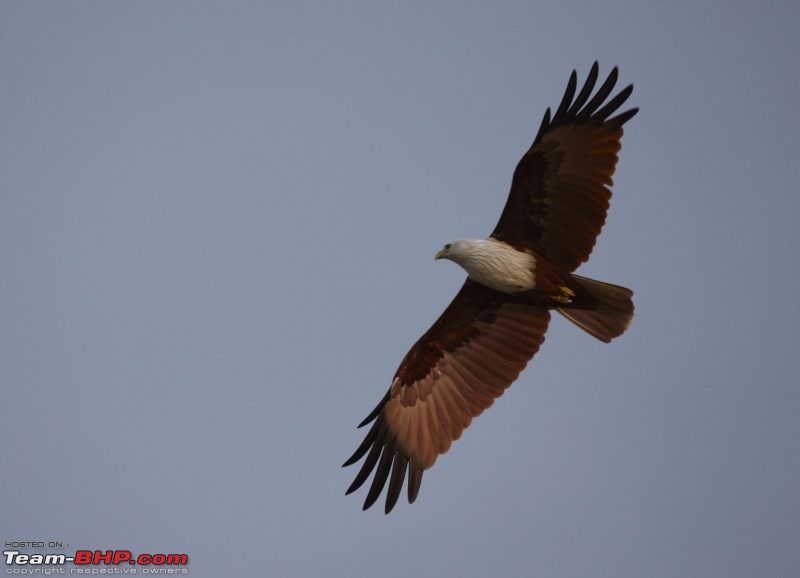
(459, 251)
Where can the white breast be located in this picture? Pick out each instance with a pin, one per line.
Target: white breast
(495, 264)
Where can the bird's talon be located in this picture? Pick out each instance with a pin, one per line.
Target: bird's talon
(565, 295)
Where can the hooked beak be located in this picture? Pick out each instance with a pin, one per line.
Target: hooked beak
(440, 254)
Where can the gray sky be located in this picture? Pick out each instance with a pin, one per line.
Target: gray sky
(217, 229)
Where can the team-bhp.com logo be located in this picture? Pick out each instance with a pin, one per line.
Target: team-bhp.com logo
(89, 559)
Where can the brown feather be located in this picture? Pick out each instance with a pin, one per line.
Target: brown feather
(559, 197)
(470, 361)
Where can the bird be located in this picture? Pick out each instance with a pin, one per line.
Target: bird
(476, 349)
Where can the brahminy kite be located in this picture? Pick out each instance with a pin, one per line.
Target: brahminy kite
(484, 339)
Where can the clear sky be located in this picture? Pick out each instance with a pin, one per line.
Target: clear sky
(217, 229)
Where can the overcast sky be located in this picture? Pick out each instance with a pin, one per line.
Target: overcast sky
(217, 229)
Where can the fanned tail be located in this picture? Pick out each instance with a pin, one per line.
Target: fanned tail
(611, 317)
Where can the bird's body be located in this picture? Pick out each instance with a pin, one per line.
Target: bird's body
(523, 270)
(523, 273)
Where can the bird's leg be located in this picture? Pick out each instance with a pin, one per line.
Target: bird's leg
(565, 295)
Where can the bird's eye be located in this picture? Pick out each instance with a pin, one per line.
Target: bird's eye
(448, 246)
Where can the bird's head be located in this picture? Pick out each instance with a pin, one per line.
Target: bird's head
(458, 250)
(444, 252)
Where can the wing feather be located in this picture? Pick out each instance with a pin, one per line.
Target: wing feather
(559, 195)
(586, 90)
(396, 481)
(467, 359)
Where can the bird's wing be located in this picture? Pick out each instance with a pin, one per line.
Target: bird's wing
(473, 352)
(559, 194)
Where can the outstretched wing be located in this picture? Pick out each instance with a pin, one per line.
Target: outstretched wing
(559, 194)
(473, 352)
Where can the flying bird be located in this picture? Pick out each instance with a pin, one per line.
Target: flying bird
(555, 210)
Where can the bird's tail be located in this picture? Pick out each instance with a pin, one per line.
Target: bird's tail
(612, 315)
